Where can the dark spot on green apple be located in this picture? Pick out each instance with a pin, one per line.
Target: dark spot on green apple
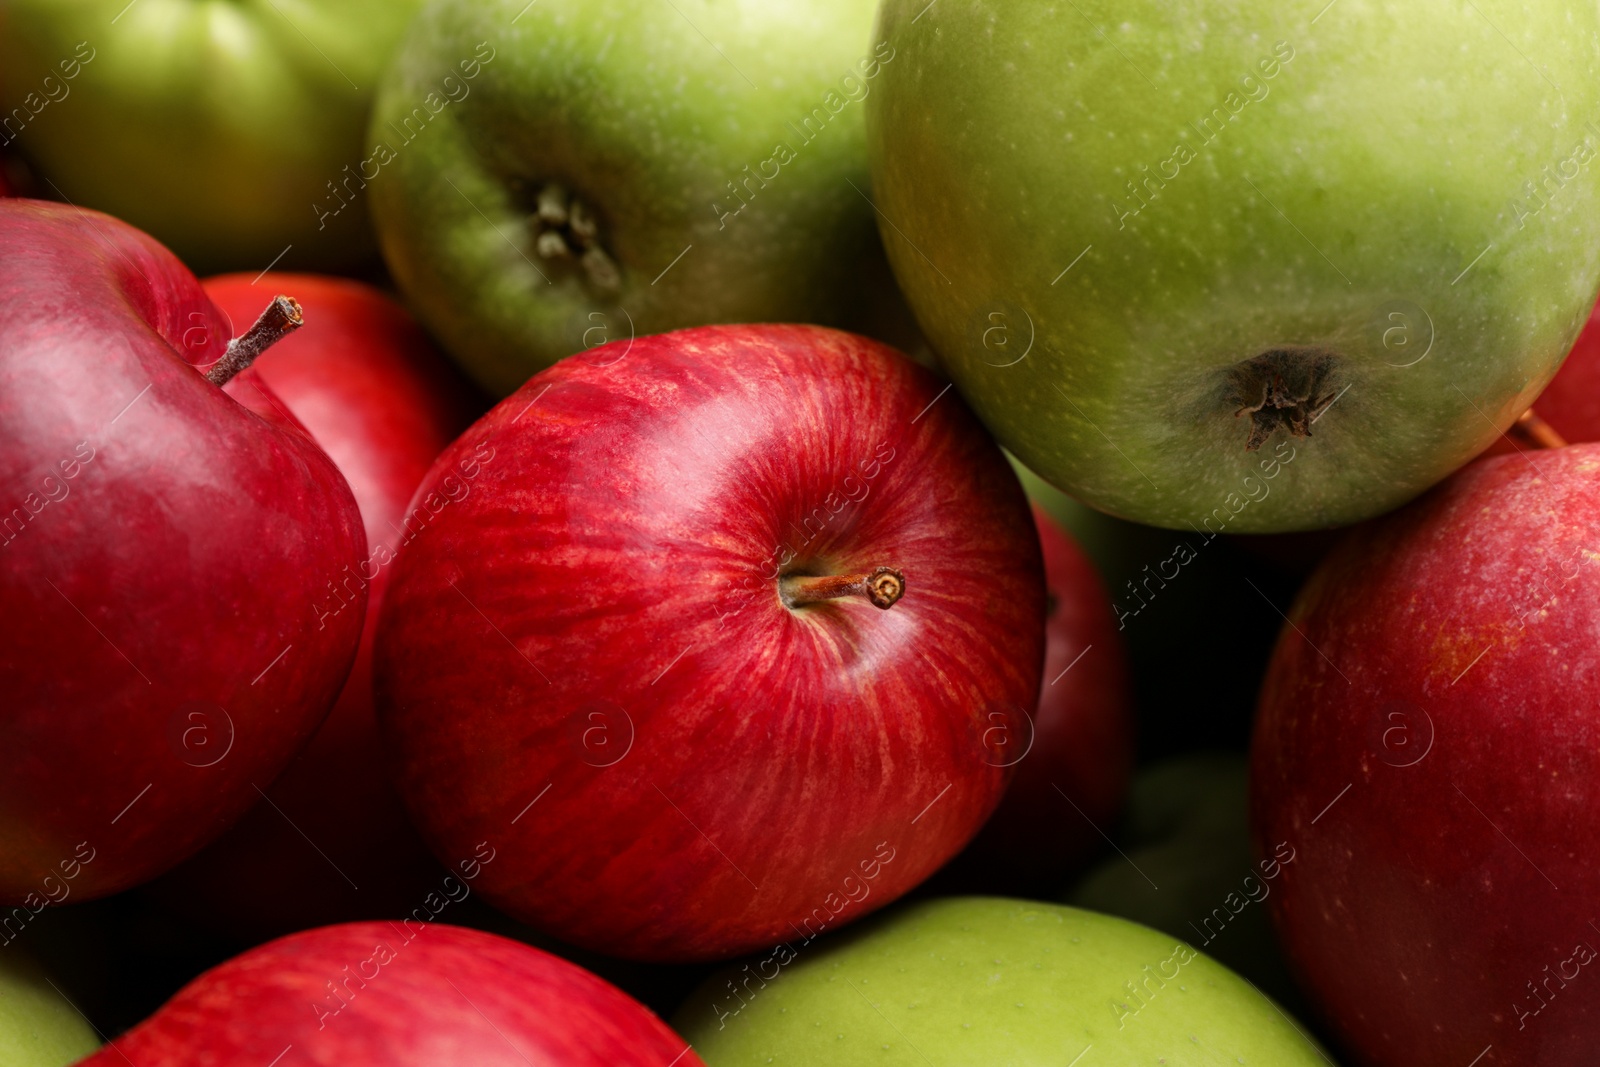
(1286, 387)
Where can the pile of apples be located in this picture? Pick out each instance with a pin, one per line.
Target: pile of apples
(525, 518)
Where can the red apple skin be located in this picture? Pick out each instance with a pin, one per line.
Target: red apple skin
(1438, 773)
(401, 996)
(1082, 742)
(599, 584)
(373, 391)
(177, 562)
(1571, 402)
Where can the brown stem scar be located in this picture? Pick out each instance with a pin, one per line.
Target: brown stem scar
(1283, 387)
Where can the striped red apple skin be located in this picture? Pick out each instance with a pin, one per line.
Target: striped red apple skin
(585, 658)
(400, 995)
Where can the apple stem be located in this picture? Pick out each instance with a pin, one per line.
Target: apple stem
(281, 318)
(1530, 429)
(883, 587)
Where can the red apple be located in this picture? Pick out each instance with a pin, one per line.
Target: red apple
(639, 646)
(1570, 404)
(1074, 763)
(1426, 742)
(380, 400)
(401, 995)
(162, 550)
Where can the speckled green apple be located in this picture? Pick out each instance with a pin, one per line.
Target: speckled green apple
(216, 127)
(1361, 234)
(623, 167)
(974, 980)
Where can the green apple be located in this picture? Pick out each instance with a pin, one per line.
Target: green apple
(223, 129)
(623, 167)
(975, 980)
(1188, 869)
(38, 1026)
(1254, 267)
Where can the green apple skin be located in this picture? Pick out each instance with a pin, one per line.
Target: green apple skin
(648, 113)
(1367, 199)
(38, 1027)
(1186, 830)
(979, 980)
(215, 127)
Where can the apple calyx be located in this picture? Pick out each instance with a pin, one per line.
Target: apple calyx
(281, 318)
(1534, 432)
(564, 228)
(883, 587)
(1289, 387)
